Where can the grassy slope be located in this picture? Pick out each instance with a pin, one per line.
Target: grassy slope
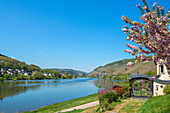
(131, 107)
(159, 104)
(7, 59)
(120, 67)
(66, 104)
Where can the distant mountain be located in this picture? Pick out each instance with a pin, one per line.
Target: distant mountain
(120, 67)
(69, 71)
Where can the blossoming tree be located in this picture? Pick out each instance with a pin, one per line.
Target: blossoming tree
(152, 35)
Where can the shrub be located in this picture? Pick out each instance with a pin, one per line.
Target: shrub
(166, 89)
(8, 76)
(103, 91)
(119, 91)
(107, 98)
(126, 92)
(1, 78)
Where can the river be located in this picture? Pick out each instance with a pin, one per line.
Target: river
(26, 95)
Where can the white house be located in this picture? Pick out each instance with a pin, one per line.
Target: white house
(160, 82)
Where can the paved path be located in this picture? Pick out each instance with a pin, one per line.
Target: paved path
(84, 106)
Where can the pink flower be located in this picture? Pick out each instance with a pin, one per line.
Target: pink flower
(123, 18)
(129, 51)
(129, 63)
(165, 18)
(123, 29)
(145, 7)
(154, 4)
(137, 5)
(127, 38)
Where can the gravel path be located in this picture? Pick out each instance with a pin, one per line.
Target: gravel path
(84, 106)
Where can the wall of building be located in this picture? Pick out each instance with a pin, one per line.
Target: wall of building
(164, 75)
(158, 87)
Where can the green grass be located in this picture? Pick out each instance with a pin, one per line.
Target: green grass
(113, 105)
(76, 111)
(131, 107)
(158, 104)
(66, 104)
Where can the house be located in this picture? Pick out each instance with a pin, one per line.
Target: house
(162, 79)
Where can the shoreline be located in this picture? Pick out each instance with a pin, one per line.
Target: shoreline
(65, 104)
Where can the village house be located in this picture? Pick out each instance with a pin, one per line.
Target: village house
(162, 80)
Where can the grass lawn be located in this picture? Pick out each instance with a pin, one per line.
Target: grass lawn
(66, 104)
(93, 109)
(131, 107)
(158, 104)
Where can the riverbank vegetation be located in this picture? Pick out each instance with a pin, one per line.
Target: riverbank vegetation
(66, 104)
(36, 75)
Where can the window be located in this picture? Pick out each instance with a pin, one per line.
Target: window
(161, 67)
(157, 86)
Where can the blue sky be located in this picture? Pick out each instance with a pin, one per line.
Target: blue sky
(77, 34)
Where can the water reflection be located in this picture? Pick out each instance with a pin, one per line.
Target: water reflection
(25, 95)
(107, 83)
(10, 88)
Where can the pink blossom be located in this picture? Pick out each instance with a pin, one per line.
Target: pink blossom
(127, 38)
(123, 18)
(154, 4)
(137, 5)
(145, 7)
(129, 63)
(129, 51)
(165, 18)
(124, 30)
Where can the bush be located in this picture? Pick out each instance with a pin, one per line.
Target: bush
(166, 89)
(103, 91)
(126, 93)
(8, 76)
(107, 98)
(1, 78)
(119, 91)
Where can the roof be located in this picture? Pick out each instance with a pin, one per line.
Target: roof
(138, 76)
(162, 81)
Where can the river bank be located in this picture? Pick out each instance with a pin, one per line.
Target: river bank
(66, 104)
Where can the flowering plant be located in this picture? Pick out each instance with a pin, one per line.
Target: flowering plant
(152, 35)
(103, 91)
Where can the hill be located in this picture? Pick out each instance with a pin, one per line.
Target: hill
(7, 62)
(120, 67)
(69, 71)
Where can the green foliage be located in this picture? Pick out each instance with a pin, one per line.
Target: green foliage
(151, 73)
(121, 77)
(158, 104)
(107, 98)
(99, 86)
(7, 62)
(1, 78)
(166, 89)
(74, 76)
(104, 77)
(131, 107)
(109, 76)
(8, 77)
(126, 93)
